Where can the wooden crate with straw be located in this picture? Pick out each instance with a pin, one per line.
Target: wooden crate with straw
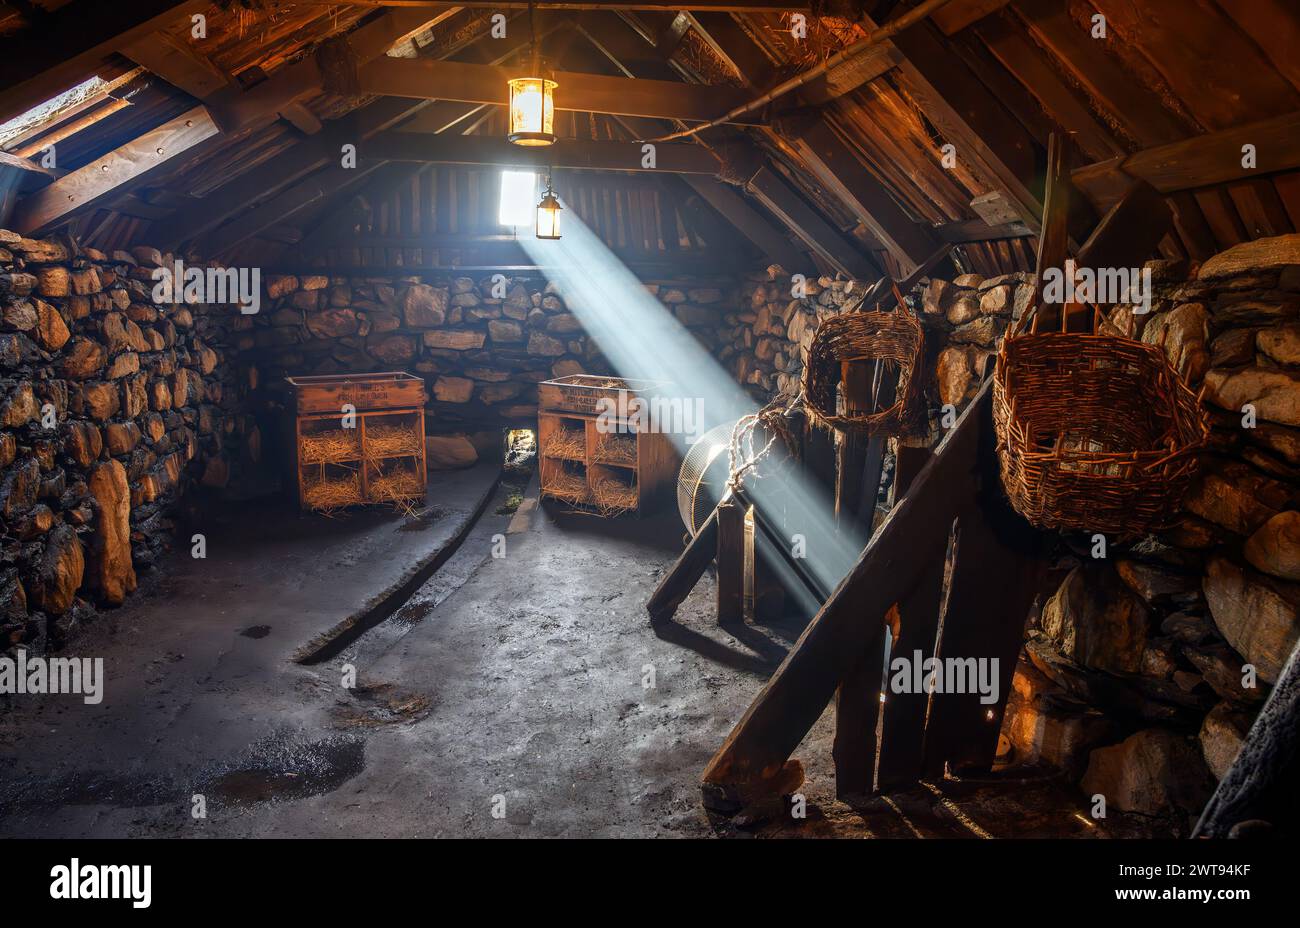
(359, 440)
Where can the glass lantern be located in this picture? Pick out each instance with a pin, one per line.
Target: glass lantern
(532, 111)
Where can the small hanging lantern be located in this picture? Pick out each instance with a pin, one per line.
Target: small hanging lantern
(532, 111)
(548, 214)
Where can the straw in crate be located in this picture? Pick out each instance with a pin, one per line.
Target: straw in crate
(1096, 433)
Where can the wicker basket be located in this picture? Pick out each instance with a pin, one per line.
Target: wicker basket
(1096, 433)
(895, 338)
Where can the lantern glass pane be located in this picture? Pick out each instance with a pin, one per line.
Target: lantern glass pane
(532, 109)
(548, 222)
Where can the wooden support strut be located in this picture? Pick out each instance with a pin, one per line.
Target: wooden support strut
(890, 568)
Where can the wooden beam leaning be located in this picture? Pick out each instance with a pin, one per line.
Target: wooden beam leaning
(429, 79)
(685, 573)
(837, 638)
(567, 153)
(133, 161)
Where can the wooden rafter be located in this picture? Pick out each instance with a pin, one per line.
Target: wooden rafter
(428, 79)
(831, 161)
(134, 161)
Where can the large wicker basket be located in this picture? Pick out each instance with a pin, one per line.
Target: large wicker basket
(1096, 433)
(895, 338)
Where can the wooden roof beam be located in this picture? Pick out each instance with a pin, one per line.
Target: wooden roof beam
(1203, 160)
(132, 162)
(177, 63)
(428, 79)
(623, 47)
(266, 101)
(144, 155)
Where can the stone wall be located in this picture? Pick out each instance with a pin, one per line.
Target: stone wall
(481, 346)
(109, 406)
(1132, 675)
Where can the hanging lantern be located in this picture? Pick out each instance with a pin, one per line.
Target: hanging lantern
(532, 111)
(548, 215)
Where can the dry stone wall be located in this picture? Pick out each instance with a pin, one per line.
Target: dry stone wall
(110, 406)
(1136, 676)
(481, 345)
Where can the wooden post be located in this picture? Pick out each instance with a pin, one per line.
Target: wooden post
(855, 381)
(731, 561)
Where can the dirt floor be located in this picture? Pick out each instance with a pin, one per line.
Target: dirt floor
(502, 696)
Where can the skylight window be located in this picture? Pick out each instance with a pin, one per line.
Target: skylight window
(50, 109)
(518, 198)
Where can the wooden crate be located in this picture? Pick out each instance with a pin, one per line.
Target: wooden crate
(329, 393)
(584, 467)
(582, 393)
(380, 460)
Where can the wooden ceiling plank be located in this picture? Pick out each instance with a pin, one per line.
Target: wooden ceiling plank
(1218, 72)
(266, 101)
(663, 6)
(610, 38)
(285, 205)
(301, 159)
(1029, 64)
(984, 134)
(958, 15)
(1137, 110)
(833, 164)
(839, 170)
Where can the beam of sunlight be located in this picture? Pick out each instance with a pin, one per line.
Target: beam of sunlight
(643, 341)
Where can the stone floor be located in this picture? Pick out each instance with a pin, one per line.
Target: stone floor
(504, 697)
